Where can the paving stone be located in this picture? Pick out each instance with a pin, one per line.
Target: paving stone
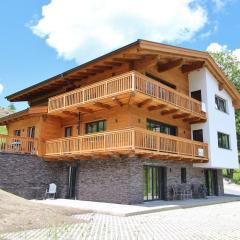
(216, 222)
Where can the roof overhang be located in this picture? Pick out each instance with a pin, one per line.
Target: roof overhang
(132, 52)
(33, 111)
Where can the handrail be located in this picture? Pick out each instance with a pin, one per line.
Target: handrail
(127, 82)
(17, 144)
(127, 139)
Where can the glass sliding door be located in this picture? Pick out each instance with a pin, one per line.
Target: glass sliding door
(154, 183)
(211, 182)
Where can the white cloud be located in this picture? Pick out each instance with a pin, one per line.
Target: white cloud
(236, 52)
(1, 88)
(216, 47)
(78, 28)
(220, 4)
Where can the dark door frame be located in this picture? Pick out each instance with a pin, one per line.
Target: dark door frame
(72, 174)
(161, 172)
(214, 179)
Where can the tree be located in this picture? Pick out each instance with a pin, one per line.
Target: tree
(230, 65)
(11, 107)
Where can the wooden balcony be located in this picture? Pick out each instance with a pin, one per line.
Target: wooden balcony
(133, 141)
(23, 145)
(141, 90)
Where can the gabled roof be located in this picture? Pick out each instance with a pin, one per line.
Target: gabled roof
(132, 52)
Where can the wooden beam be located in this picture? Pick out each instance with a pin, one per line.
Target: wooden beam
(144, 102)
(103, 67)
(102, 105)
(116, 100)
(70, 113)
(93, 71)
(190, 119)
(178, 116)
(125, 59)
(220, 86)
(167, 112)
(146, 62)
(132, 55)
(114, 63)
(161, 106)
(169, 65)
(85, 110)
(186, 68)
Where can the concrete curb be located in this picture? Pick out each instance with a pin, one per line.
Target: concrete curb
(180, 207)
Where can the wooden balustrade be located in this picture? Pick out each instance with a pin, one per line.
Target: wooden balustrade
(129, 82)
(148, 140)
(106, 88)
(14, 144)
(132, 139)
(158, 90)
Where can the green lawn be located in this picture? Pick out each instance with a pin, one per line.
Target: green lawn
(236, 175)
(3, 130)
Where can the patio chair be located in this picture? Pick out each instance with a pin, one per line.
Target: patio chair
(187, 192)
(195, 190)
(51, 191)
(202, 191)
(177, 193)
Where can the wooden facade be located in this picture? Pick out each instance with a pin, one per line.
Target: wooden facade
(124, 89)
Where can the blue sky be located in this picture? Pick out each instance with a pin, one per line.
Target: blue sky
(37, 43)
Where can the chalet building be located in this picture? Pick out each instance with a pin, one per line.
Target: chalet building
(133, 125)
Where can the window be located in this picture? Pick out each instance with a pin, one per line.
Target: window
(68, 131)
(221, 104)
(161, 127)
(198, 135)
(98, 126)
(183, 175)
(17, 133)
(161, 81)
(223, 140)
(31, 132)
(197, 95)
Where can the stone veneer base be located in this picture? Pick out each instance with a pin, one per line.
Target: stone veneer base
(114, 180)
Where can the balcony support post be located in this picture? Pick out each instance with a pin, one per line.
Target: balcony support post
(133, 139)
(133, 81)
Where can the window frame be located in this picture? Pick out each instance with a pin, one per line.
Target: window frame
(31, 131)
(225, 104)
(183, 175)
(97, 126)
(17, 131)
(196, 94)
(194, 135)
(163, 125)
(220, 144)
(65, 131)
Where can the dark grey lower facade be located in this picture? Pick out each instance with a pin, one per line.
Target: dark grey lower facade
(115, 180)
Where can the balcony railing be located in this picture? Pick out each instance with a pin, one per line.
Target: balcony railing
(129, 82)
(13, 144)
(133, 139)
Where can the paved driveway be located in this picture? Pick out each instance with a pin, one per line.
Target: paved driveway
(220, 221)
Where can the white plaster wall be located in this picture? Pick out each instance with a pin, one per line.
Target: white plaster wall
(217, 121)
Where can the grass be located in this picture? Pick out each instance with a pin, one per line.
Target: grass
(3, 130)
(236, 175)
